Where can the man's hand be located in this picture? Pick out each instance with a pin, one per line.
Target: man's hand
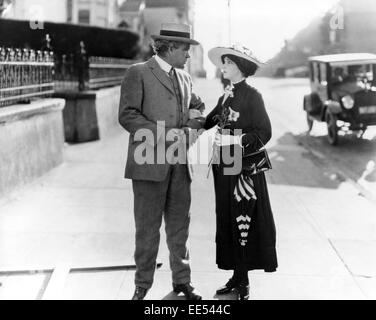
(178, 134)
(186, 135)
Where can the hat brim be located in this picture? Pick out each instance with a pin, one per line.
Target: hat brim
(216, 54)
(178, 39)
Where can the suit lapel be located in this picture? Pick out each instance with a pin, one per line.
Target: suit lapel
(181, 87)
(160, 74)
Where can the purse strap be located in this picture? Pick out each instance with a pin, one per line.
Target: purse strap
(263, 146)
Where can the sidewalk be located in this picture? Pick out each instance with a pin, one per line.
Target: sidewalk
(80, 215)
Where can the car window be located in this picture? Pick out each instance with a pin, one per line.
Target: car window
(312, 71)
(323, 79)
(316, 71)
(352, 73)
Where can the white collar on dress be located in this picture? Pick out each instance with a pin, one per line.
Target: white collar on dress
(166, 67)
(238, 81)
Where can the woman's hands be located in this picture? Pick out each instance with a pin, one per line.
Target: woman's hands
(222, 140)
(194, 114)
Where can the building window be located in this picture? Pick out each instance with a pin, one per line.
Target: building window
(84, 16)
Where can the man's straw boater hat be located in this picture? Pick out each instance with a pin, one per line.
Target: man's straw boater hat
(176, 32)
(216, 54)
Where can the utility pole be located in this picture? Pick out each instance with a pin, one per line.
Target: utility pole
(229, 22)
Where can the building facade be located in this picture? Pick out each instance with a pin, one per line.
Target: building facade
(150, 14)
(101, 13)
(147, 16)
(158, 11)
(37, 10)
(131, 16)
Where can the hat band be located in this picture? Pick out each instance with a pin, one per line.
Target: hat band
(175, 34)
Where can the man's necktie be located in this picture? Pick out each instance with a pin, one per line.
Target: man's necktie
(175, 84)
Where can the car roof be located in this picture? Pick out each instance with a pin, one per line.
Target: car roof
(345, 58)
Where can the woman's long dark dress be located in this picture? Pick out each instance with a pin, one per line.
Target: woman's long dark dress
(260, 252)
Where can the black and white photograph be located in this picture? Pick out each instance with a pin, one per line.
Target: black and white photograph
(207, 151)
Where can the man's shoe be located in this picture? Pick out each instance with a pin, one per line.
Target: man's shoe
(188, 291)
(227, 288)
(140, 293)
(242, 292)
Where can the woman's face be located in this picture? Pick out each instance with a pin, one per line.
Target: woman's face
(230, 70)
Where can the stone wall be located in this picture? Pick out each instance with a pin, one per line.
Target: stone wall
(31, 141)
(91, 115)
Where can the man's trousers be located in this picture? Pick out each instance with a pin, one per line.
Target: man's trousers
(153, 200)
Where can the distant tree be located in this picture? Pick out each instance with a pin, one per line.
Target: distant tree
(123, 25)
(3, 5)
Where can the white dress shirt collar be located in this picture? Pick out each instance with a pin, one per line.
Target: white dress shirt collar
(163, 64)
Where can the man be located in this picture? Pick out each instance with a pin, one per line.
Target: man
(339, 75)
(346, 84)
(155, 93)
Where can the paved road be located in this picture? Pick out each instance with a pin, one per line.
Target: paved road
(353, 158)
(80, 215)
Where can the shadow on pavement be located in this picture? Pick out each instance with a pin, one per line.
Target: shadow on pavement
(355, 155)
(173, 296)
(230, 296)
(295, 166)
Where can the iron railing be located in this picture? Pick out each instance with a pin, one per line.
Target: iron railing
(25, 74)
(79, 73)
(67, 73)
(105, 72)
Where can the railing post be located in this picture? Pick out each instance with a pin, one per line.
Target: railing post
(82, 67)
(2, 72)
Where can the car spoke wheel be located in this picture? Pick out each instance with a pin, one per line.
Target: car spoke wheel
(331, 121)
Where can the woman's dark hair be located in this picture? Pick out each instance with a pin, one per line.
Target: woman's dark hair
(247, 68)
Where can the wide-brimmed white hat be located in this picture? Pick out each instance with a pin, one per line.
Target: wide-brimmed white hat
(176, 32)
(216, 54)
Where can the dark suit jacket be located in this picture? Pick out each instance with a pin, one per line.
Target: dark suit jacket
(147, 96)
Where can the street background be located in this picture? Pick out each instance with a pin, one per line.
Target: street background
(80, 215)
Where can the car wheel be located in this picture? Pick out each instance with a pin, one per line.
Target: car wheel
(308, 118)
(309, 122)
(331, 121)
(361, 133)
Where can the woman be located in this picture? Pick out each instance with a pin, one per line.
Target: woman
(243, 106)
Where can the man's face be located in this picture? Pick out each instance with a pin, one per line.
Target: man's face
(338, 72)
(180, 56)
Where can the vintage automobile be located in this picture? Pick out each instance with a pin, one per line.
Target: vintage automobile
(343, 93)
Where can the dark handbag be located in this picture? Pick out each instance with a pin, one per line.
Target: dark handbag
(256, 162)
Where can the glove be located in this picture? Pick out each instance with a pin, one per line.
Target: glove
(194, 114)
(227, 140)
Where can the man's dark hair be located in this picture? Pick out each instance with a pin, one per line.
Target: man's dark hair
(161, 46)
(247, 68)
